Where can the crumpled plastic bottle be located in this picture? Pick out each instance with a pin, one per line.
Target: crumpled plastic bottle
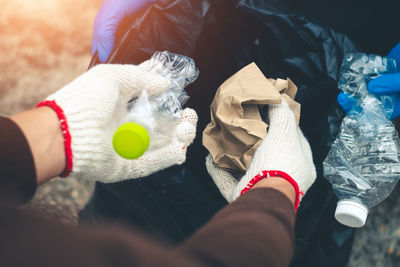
(151, 121)
(363, 163)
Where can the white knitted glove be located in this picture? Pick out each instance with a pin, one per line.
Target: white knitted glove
(284, 149)
(93, 106)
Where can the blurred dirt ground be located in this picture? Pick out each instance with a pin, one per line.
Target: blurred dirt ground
(45, 44)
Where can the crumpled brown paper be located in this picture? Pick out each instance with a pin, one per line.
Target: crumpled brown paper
(236, 128)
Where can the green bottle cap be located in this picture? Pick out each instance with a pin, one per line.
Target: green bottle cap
(131, 140)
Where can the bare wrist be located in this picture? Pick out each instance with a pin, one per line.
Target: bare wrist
(41, 128)
(279, 184)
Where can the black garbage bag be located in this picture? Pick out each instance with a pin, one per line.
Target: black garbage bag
(372, 25)
(223, 36)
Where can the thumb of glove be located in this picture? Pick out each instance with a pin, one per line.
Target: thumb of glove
(225, 182)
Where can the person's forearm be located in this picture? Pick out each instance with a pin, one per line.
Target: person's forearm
(41, 128)
(17, 175)
(255, 230)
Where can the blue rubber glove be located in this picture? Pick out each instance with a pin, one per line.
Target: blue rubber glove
(107, 20)
(388, 84)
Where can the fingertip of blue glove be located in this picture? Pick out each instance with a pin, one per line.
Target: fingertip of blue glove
(375, 85)
(102, 55)
(385, 84)
(104, 47)
(395, 53)
(345, 101)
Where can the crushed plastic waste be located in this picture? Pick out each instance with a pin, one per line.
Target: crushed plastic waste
(363, 164)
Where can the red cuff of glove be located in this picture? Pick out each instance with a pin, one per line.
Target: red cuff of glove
(284, 175)
(65, 131)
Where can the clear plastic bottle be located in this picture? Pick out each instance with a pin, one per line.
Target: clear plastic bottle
(363, 163)
(151, 121)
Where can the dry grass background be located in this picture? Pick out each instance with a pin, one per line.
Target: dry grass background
(45, 44)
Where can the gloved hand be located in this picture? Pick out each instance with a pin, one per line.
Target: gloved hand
(284, 152)
(388, 84)
(93, 106)
(106, 22)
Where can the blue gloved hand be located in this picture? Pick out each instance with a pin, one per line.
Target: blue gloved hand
(107, 20)
(388, 84)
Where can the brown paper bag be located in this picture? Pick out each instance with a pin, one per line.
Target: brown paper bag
(236, 128)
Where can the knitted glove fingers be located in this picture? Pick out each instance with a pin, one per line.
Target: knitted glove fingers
(154, 67)
(131, 79)
(282, 120)
(189, 115)
(185, 132)
(305, 184)
(119, 169)
(172, 154)
(285, 150)
(106, 166)
(305, 145)
(222, 179)
(186, 126)
(123, 81)
(280, 145)
(145, 65)
(154, 161)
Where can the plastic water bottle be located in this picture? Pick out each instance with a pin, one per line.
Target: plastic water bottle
(151, 121)
(363, 163)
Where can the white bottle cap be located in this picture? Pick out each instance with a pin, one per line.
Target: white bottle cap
(351, 213)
